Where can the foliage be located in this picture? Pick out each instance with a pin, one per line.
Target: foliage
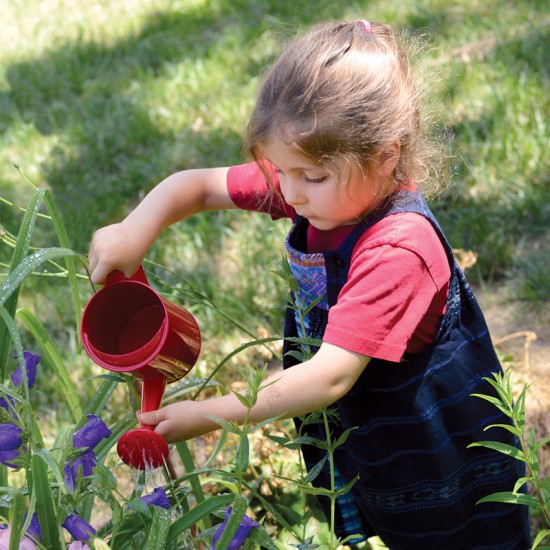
(102, 102)
(528, 454)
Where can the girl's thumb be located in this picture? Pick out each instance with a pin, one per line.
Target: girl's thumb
(152, 418)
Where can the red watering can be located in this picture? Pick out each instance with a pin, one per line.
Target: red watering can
(128, 327)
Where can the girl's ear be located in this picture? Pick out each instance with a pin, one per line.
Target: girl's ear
(388, 159)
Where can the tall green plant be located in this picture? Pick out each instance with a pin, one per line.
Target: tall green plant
(528, 453)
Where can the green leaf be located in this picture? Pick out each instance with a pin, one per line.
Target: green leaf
(189, 466)
(542, 443)
(274, 511)
(316, 470)
(159, 529)
(496, 402)
(512, 429)
(511, 498)
(501, 448)
(343, 438)
(540, 538)
(21, 249)
(99, 400)
(17, 512)
(347, 487)
(45, 504)
(63, 238)
(519, 408)
(532, 455)
(242, 455)
(521, 482)
(228, 426)
(195, 515)
(52, 465)
(503, 388)
(319, 491)
(246, 402)
(53, 359)
(27, 266)
(12, 332)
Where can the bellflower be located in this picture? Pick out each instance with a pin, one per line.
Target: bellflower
(8, 404)
(10, 437)
(31, 361)
(246, 525)
(78, 528)
(10, 443)
(26, 543)
(85, 438)
(5, 534)
(34, 530)
(91, 433)
(158, 498)
(84, 464)
(7, 457)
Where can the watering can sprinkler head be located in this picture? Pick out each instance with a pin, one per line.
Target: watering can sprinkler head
(128, 327)
(143, 448)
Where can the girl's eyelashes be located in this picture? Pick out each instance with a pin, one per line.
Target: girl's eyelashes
(307, 179)
(322, 179)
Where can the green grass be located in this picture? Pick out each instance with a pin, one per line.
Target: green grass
(102, 102)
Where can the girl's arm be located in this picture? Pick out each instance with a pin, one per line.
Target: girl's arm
(301, 389)
(123, 245)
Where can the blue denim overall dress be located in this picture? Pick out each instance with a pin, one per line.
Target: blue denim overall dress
(413, 421)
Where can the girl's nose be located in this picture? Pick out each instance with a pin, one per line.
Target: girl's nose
(293, 194)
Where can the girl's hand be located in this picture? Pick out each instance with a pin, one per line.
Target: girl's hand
(179, 421)
(118, 246)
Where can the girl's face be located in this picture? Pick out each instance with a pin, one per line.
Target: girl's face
(313, 191)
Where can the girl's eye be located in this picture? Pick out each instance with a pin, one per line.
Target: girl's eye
(315, 180)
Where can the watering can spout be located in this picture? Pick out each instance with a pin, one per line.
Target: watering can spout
(151, 394)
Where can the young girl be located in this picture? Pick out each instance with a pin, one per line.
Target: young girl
(336, 142)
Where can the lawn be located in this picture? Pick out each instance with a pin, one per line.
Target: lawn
(101, 99)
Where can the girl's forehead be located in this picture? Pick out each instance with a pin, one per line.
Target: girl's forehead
(276, 149)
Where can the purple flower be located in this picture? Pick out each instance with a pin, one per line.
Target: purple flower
(34, 530)
(91, 433)
(27, 542)
(6, 458)
(246, 525)
(10, 443)
(31, 361)
(78, 528)
(10, 437)
(84, 465)
(158, 498)
(5, 534)
(8, 404)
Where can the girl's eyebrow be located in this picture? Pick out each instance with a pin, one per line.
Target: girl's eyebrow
(302, 168)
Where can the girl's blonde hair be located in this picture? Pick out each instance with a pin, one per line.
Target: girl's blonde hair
(345, 90)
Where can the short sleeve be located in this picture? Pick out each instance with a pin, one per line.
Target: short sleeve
(250, 190)
(396, 292)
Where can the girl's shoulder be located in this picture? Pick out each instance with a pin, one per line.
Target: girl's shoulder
(404, 233)
(250, 189)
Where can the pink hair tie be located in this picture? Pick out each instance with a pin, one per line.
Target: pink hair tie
(364, 24)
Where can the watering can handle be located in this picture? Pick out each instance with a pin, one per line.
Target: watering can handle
(116, 276)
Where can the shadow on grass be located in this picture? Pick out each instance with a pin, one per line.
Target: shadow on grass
(110, 148)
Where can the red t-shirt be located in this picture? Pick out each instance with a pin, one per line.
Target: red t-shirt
(396, 292)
